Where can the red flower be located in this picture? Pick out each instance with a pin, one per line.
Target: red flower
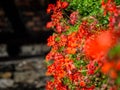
(82, 84)
(113, 74)
(70, 50)
(59, 28)
(49, 25)
(49, 56)
(73, 17)
(117, 67)
(63, 40)
(107, 67)
(50, 86)
(60, 86)
(112, 21)
(58, 56)
(91, 68)
(110, 7)
(73, 40)
(75, 77)
(97, 46)
(111, 68)
(69, 66)
(83, 29)
(50, 7)
(64, 4)
(51, 41)
(56, 17)
(58, 4)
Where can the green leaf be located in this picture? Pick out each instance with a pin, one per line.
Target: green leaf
(72, 29)
(61, 49)
(72, 56)
(88, 8)
(117, 2)
(114, 52)
(48, 63)
(66, 81)
(84, 72)
(79, 63)
(72, 87)
(57, 39)
(118, 80)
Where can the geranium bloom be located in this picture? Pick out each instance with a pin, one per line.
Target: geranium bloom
(97, 46)
(64, 4)
(113, 74)
(69, 66)
(91, 67)
(107, 67)
(50, 85)
(49, 25)
(82, 84)
(110, 68)
(51, 41)
(50, 7)
(56, 17)
(63, 40)
(50, 56)
(70, 50)
(75, 77)
(60, 86)
(118, 65)
(109, 6)
(59, 28)
(56, 70)
(72, 40)
(73, 17)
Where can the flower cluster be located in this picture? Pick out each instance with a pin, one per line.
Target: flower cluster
(84, 54)
(110, 7)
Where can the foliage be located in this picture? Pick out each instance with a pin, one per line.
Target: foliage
(85, 7)
(117, 2)
(85, 46)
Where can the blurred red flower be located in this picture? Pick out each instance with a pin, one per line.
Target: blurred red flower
(98, 45)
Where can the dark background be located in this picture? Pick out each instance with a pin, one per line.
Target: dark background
(22, 22)
(23, 38)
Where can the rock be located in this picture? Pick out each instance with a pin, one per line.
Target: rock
(30, 13)
(4, 83)
(24, 66)
(3, 50)
(37, 65)
(28, 72)
(6, 75)
(6, 68)
(27, 76)
(30, 24)
(45, 48)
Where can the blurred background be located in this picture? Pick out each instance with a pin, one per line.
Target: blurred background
(23, 38)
